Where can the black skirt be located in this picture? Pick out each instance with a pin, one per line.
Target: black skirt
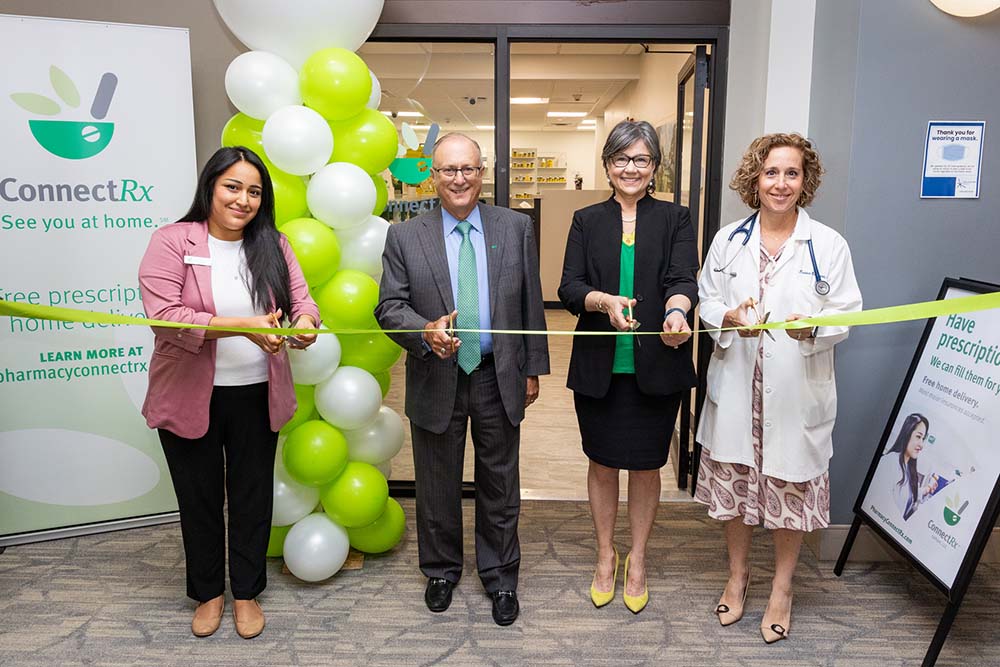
(627, 429)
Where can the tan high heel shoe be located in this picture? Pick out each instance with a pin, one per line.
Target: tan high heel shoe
(773, 632)
(729, 616)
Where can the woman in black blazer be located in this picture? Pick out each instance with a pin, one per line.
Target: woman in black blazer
(630, 265)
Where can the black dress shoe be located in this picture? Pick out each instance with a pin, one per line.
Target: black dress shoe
(438, 594)
(505, 607)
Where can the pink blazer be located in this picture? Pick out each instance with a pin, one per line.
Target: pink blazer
(182, 368)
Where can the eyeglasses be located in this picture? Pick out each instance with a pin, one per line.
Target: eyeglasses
(640, 161)
(451, 172)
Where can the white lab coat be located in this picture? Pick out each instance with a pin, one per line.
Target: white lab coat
(800, 397)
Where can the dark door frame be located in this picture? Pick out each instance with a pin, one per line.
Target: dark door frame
(501, 35)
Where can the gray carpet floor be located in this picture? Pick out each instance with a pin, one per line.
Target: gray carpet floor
(118, 599)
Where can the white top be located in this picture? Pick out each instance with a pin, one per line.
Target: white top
(800, 397)
(238, 361)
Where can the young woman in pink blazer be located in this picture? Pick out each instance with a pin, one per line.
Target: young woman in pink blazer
(219, 398)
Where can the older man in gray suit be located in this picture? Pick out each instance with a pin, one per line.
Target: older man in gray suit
(475, 266)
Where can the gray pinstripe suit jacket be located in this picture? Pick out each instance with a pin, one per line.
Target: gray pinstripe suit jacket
(416, 289)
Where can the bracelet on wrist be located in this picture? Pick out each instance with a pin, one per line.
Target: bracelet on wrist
(675, 309)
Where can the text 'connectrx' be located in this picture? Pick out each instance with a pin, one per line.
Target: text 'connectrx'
(125, 189)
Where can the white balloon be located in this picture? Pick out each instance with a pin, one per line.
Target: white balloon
(316, 548)
(298, 140)
(349, 399)
(385, 467)
(295, 29)
(378, 441)
(375, 99)
(361, 247)
(292, 500)
(316, 362)
(341, 195)
(259, 83)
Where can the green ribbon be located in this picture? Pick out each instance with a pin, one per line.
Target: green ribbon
(889, 315)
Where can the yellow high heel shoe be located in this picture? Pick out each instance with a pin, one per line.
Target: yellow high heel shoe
(635, 603)
(601, 598)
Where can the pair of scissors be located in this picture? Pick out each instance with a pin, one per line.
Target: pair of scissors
(451, 335)
(632, 323)
(753, 307)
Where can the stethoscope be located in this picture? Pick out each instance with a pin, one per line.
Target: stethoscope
(746, 229)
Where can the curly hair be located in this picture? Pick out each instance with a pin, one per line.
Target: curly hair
(745, 179)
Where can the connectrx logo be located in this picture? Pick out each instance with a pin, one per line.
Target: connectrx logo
(415, 164)
(953, 508)
(70, 139)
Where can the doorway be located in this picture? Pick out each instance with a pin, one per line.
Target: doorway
(564, 88)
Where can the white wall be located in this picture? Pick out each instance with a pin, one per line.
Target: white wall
(769, 79)
(789, 66)
(652, 97)
(746, 87)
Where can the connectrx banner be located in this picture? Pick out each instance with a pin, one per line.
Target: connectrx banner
(98, 152)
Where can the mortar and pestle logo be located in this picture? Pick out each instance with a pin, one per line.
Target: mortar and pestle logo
(70, 139)
(414, 167)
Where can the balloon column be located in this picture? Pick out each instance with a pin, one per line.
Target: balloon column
(308, 105)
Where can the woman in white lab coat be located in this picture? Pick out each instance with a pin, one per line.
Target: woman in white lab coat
(771, 402)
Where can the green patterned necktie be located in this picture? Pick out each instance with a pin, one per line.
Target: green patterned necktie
(469, 352)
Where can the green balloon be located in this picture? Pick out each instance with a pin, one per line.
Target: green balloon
(306, 406)
(368, 140)
(289, 195)
(316, 247)
(382, 534)
(373, 352)
(381, 194)
(242, 130)
(357, 497)
(348, 300)
(276, 543)
(335, 82)
(315, 453)
(384, 381)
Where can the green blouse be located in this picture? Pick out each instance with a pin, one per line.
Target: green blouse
(624, 355)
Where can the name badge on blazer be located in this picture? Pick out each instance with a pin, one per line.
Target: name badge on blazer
(200, 261)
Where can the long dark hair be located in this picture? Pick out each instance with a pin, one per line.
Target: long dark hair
(261, 241)
(899, 446)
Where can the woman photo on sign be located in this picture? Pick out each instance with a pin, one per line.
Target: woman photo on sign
(769, 412)
(913, 487)
(218, 398)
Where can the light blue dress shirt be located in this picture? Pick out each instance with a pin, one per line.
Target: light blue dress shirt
(452, 243)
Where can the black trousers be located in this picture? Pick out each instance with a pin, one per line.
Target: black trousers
(234, 459)
(438, 463)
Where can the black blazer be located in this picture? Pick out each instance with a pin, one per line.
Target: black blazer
(666, 263)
